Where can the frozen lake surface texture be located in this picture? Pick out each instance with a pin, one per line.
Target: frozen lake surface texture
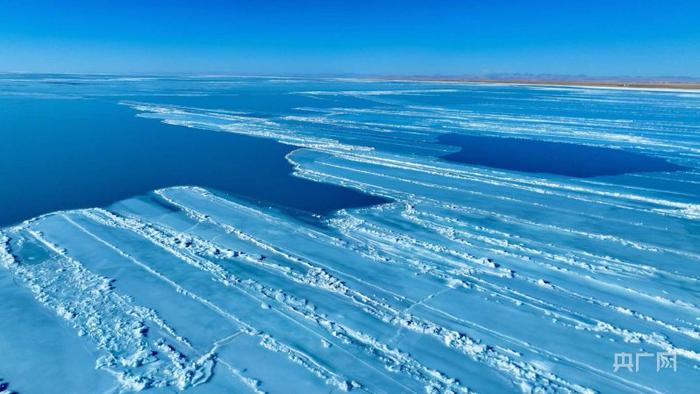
(281, 235)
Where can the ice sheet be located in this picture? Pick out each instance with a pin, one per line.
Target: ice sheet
(471, 280)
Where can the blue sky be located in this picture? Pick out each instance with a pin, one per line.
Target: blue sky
(636, 38)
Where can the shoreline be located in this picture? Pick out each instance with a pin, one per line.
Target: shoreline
(651, 84)
(673, 86)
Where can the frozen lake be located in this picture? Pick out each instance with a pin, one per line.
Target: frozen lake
(230, 234)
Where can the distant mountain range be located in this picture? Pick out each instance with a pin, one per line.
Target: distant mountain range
(679, 82)
(663, 81)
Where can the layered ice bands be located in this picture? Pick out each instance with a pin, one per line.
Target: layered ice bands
(470, 280)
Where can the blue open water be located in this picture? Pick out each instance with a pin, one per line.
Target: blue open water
(527, 155)
(59, 154)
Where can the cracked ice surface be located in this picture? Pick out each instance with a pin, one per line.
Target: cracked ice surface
(471, 280)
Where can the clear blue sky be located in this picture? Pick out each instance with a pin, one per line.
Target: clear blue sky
(637, 38)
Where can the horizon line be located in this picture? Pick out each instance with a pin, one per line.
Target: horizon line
(476, 77)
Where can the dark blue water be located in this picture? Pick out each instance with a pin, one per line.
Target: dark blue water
(573, 160)
(65, 154)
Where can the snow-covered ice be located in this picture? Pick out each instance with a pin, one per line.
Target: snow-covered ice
(472, 279)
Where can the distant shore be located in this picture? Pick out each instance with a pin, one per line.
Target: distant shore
(660, 83)
(591, 83)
